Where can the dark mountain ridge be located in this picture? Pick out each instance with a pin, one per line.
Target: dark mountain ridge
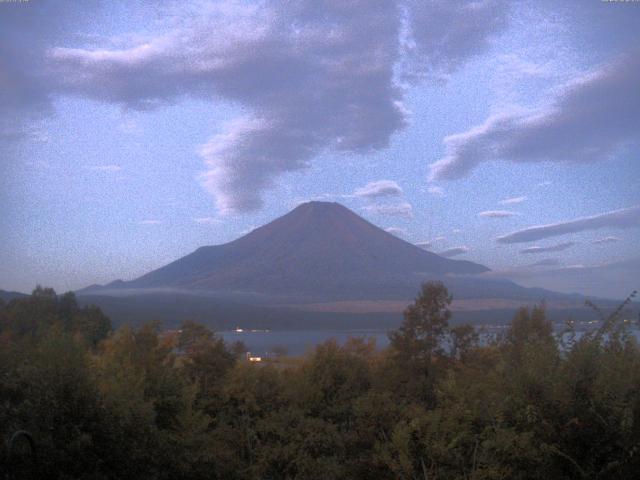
(7, 296)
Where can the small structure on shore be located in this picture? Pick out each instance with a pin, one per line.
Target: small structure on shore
(252, 358)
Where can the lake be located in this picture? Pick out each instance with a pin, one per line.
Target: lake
(298, 342)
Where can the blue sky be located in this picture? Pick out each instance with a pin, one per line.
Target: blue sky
(135, 132)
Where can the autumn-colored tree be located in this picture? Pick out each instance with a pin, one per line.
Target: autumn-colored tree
(437, 403)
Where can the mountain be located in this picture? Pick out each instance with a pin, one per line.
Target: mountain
(319, 250)
(319, 265)
(8, 296)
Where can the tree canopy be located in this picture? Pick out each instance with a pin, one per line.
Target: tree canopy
(437, 403)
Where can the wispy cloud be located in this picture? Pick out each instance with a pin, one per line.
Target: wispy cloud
(130, 126)
(428, 244)
(546, 262)
(398, 232)
(515, 66)
(104, 168)
(551, 248)
(381, 188)
(400, 210)
(526, 270)
(206, 220)
(610, 239)
(452, 252)
(497, 214)
(548, 133)
(248, 230)
(512, 201)
(624, 218)
(150, 221)
(435, 190)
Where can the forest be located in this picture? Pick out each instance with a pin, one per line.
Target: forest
(438, 403)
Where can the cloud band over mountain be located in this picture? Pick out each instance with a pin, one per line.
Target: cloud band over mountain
(403, 209)
(453, 252)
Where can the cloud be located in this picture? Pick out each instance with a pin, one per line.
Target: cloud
(605, 280)
(600, 241)
(524, 271)
(552, 248)
(583, 123)
(436, 191)
(246, 160)
(398, 232)
(129, 126)
(447, 33)
(428, 244)
(515, 67)
(312, 77)
(512, 201)
(248, 230)
(452, 252)
(150, 221)
(546, 262)
(400, 210)
(381, 188)
(104, 168)
(206, 220)
(497, 214)
(624, 218)
(26, 85)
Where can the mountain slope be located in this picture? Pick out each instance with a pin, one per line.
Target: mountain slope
(8, 296)
(318, 250)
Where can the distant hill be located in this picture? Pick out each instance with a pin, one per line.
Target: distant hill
(8, 296)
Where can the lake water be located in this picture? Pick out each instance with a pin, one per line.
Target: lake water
(298, 342)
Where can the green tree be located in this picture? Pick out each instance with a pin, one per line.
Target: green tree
(425, 324)
(464, 339)
(416, 347)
